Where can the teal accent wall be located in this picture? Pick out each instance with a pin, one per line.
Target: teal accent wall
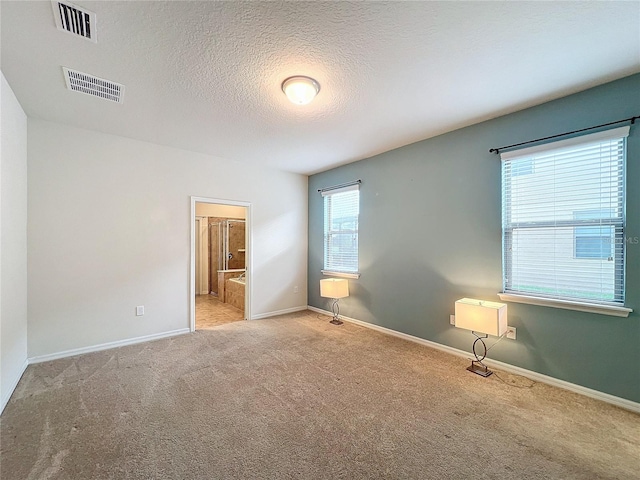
(430, 233)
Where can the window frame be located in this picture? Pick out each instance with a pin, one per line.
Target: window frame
(556, 299)
(330, 266)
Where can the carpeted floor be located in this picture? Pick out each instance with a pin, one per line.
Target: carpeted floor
(294, 397)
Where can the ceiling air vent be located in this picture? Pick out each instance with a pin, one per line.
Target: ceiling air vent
(75, 20)
(98, 87)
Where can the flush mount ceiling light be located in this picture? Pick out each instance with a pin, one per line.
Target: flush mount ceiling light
(300, 90)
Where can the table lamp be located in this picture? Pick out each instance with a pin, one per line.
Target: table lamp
(335, 288)
(479, 316)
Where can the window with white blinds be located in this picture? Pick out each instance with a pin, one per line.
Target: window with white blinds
(341, 209)
(563, 219)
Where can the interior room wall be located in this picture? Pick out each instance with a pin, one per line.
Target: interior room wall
(218, 210)
(430, 233)
(109, 229)
(13, 242)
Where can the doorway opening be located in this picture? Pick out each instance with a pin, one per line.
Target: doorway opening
(220, 259)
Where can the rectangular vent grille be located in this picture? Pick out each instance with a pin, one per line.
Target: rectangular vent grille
(75, 20)
(90, 85)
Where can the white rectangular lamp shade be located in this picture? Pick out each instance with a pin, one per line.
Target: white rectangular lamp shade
(334, 288)
(481, 316)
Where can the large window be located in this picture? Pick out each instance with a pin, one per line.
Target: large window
(341, 208)
(563, 219)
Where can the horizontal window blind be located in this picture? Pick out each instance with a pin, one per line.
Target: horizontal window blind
(341, 209)
(563, 219)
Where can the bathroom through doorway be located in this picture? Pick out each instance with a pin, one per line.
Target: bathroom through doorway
(220, 259)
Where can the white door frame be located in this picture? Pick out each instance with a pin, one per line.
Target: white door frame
(202, 251)
(248, 256)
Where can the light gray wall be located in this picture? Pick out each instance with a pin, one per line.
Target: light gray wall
(13, 242)
(430, 233)
(109, 229)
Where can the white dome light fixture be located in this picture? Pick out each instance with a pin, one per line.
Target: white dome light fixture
(300, 89)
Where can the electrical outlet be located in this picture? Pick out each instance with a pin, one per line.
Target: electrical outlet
(140, 311)
(511, 333)
(452, 319)
(296, 289)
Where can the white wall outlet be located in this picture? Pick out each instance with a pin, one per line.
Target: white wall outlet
(452, 319)
(296, 289)
(511, 333)
(140, 311)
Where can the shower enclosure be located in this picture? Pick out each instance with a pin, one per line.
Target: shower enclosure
(226, 247)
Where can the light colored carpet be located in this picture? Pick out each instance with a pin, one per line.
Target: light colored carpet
(294, 397)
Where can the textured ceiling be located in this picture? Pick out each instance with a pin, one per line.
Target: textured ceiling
(206, 76)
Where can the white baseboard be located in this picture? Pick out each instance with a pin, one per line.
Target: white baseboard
(106, 346)
(278, 312)
(12, 386)
(538, 377)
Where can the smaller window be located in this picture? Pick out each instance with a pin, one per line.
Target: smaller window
(594, 241)
(341, 210)
(523, 166)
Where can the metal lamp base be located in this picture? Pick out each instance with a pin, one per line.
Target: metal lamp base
(477, 366)
(479, 369)
(335, 308)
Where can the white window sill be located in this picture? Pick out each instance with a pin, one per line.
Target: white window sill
(341, 274)
(612, 310)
